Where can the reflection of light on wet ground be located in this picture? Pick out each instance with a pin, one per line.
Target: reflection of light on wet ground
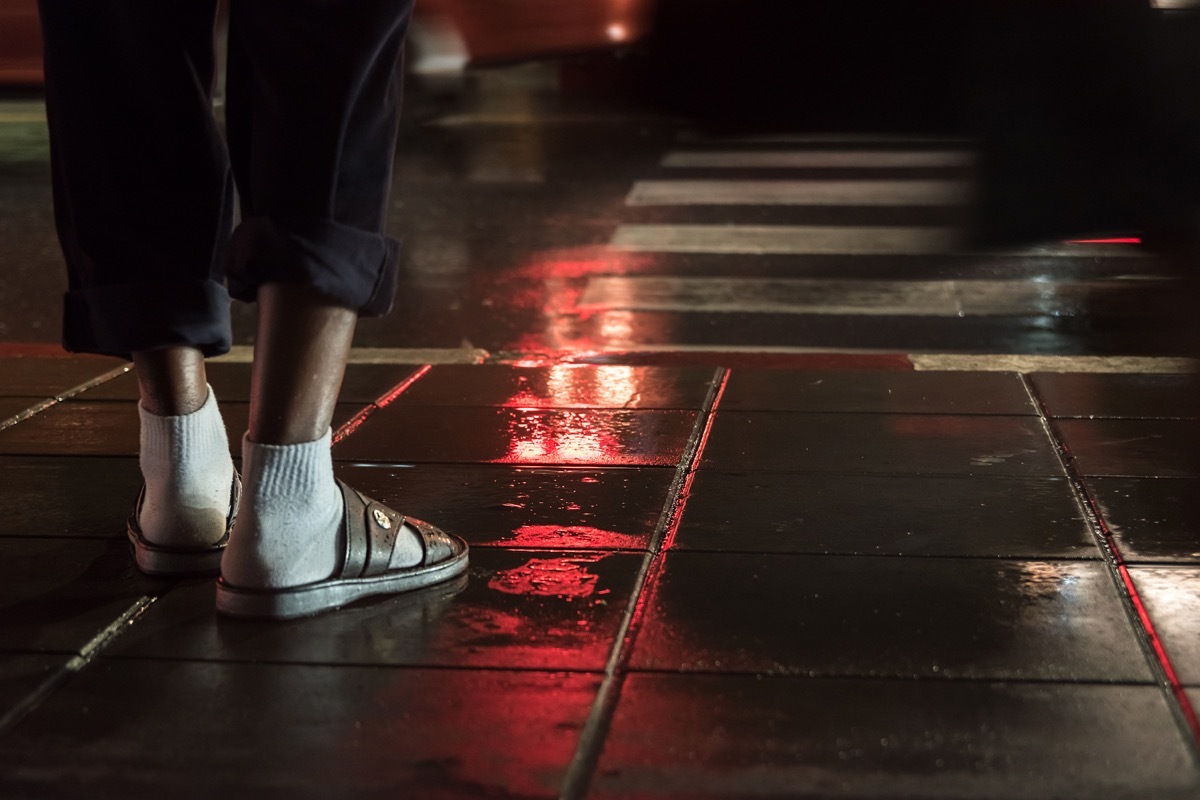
(616, 328)
(565, 386)
(1041, 580)
(566, 577)
(613, 386)
(549, 536)
(569, 438)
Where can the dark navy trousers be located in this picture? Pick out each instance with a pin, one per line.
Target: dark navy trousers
(144, 181)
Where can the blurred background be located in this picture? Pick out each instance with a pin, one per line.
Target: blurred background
(1055, 162)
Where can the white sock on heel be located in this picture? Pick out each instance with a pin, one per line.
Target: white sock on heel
(288, 531)
(188, 473)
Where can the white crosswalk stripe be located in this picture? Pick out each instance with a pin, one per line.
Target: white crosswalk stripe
(819, 159)
(946, 298)
(799, 193)
(748, 182)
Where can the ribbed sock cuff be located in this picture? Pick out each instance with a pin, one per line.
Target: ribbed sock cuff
(192, 435)
(288, 470)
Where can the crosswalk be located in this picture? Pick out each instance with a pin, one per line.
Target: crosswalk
(800, 240)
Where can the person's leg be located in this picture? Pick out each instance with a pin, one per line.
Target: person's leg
(312, 115)
(143, 201)
(287, 531)
(142, 186)
(184, 457)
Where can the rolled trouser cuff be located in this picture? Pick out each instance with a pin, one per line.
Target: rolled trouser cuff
(354, 268)
(121, 319)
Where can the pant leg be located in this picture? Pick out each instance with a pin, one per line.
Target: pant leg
(142, 188)
(313, 101)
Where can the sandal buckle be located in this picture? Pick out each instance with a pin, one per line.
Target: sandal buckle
(382, 519)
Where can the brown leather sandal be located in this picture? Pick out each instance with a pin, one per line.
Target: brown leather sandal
(372, 530)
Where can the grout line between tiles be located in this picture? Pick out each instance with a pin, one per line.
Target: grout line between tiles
(1139, 616)
(872, 677)
(50, 402)
(384, 400)
(87, 654)
(595, 730)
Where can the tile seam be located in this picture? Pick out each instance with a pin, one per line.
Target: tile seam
(1138, 614)
(383, 401)
(805, 675)
(587, 753)
(76, 664)
(50, 402)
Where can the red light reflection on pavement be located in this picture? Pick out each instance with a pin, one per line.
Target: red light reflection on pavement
(550, 286)
(573, 386)
(551, 536)
(570, 439)
(566, 577)
(472, 733)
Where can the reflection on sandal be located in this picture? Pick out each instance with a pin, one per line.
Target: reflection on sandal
(158, 559)
(372, 530)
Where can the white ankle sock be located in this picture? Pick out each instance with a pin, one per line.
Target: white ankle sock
(288, 530)
(188, 473)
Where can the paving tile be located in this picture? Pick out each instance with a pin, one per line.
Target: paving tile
(692, 736)
(57, 594)
(562, 386)
(886, 616)
(1133, 447)
(47, 377)
(880, 443)
(363, 383)
(877, 392)
(1118, 395)
(601, 437)
(191, 730)
(528, 507)
(1172, 596)
(514, 609)
(1153, 519)
(111, 429)
(20, 674)
(790, 512)
(60, 496)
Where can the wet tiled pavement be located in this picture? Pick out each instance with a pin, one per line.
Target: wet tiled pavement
(686, 582)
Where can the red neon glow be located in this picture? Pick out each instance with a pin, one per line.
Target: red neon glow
(1119, 240)
(1160, 651)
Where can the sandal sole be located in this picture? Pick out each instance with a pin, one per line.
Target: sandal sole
(304, 601)
(174, 563)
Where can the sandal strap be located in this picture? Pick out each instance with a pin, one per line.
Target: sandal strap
(371, 530)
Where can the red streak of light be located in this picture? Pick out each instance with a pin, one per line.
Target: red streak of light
(1185, 703)
(1119, 240)
(355, 422)
(1160, 651)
